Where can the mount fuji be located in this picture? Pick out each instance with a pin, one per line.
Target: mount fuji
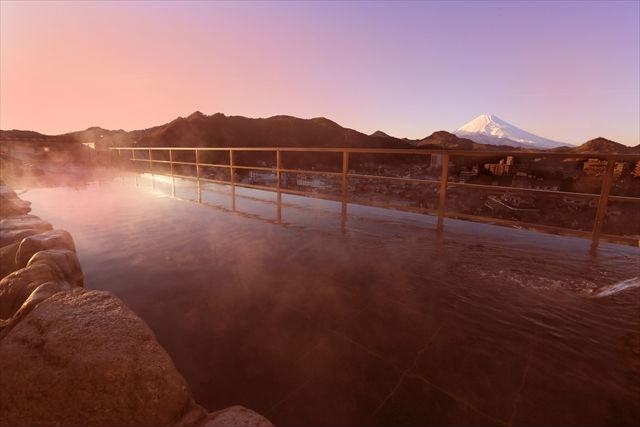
(490, 129)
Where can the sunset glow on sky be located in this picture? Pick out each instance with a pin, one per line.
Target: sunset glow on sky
(566, 71)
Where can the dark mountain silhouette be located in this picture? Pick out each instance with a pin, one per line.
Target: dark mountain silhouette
(103, 138)
(492, 140)
(33, 137)
(219, 130)
(600, 145)
(448, 141)
(22, 134)
(379, 134)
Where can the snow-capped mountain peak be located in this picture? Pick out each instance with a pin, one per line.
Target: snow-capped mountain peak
(490, 129)
(485, 123)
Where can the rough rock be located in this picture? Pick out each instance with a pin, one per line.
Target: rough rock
(83, 358)
(25, 221)
(8, 237)
(64, 261)
(16, 206)
(192, 416)
(234, 416)
(8, 259)
(41, 293)
(74, 357)
(7, 192)
(54, 239)
(16, 287)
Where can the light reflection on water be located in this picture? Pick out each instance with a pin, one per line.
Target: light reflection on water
(314, 318)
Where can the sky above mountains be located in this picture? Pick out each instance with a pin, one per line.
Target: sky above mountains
(567, 71)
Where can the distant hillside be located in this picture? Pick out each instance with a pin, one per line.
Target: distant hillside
(99, 136)
(108, 138)
(379, 134)
(599, 146)
(28, 135)
(492, 140)
(15, 133)
(448, 141)
(218, 130)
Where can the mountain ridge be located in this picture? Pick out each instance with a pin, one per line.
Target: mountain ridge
(448, 141)
(201, 130)
(600, 145)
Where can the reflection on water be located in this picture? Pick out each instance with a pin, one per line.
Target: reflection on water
(312, 315)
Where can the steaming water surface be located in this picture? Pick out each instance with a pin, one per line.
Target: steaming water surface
(312, 318)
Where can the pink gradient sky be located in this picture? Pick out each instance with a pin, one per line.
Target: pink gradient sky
(566, 71)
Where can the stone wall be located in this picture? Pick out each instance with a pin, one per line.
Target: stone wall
(70, 356)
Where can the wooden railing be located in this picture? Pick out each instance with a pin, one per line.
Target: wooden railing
(595, 235)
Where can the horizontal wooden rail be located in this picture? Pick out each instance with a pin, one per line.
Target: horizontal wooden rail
(257, 187)
(603, 197)
(214, 165)
(193, 178)
(217, 181)
(393, 178)
(307, 172)
(524, 190)
(627, 199)
(462, 153)
(255, 168)
(548, 229)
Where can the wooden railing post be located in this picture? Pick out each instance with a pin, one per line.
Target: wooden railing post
(133, 161)
(602, 204)
(278, 166)
(279, 185)
(233, 198)
(443, 190)
(153, 179)
(345, 171)
(345, 179)
(198, 176)
(173, 181)
(232, 178)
